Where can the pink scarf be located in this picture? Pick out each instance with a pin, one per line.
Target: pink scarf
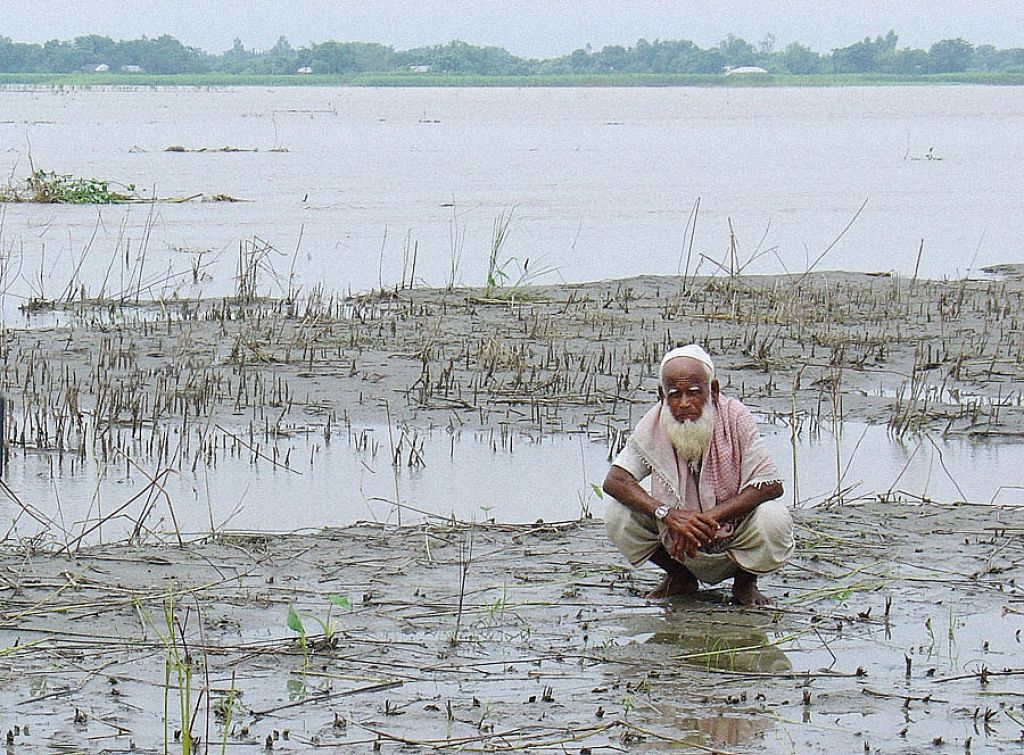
(735, 458)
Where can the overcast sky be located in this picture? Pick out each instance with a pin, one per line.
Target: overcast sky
(530, 28)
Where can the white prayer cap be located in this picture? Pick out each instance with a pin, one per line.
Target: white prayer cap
(693, 351)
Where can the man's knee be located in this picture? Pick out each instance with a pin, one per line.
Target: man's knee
(773, 520)
(765, 540)
(636, 536)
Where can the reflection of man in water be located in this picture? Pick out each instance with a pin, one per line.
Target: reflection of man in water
(711, 513)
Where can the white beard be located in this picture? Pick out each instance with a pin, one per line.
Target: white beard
(689, 438)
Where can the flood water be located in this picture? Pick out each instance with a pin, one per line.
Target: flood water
(602, 182)
(353, 187)
(473, 476)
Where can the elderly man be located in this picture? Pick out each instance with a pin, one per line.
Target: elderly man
(711, 514)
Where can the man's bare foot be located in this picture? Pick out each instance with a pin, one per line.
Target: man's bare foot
(675, 584)
(745, 592)
(678, 580)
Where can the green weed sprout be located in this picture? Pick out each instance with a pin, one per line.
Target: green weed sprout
(500, 283)
(328, 626)
(177, 664)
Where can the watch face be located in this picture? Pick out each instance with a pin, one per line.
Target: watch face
(661, 512)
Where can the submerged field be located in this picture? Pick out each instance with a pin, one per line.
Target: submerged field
(897, 627)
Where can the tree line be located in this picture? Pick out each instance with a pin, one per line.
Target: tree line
(166, 55)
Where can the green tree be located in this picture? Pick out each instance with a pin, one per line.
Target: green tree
(736, 51)
(62, 57)
(951, 55)
(907, 62)
(709, 61)
(237, 59)
(165, 54)
(580, 61)
(612, 58)
(19, 57)
(988, 58)
(1011, 60)
(683, 56)
(95, 50)
(332, 57)
(801, 60)
(863, 57)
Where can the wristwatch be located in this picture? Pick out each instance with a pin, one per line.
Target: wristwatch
(661, 512)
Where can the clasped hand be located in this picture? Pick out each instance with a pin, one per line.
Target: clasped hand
(688, 532)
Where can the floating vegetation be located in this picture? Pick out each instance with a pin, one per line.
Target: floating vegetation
(63, 188)
(203, 198)
(179, 148)
(44, 187)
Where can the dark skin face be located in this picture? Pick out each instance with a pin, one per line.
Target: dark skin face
(685, 388)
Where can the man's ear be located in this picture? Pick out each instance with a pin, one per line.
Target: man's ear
(661, 393)
(715, 390)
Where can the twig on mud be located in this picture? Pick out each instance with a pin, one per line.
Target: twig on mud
(983, 674)
(71, 689)
(907, 698)
(512, 740)
(157, 486)
(500, 737)
(712, 654)
(327, 696)
(27, 508)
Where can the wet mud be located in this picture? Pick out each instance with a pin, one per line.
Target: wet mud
(897, 627)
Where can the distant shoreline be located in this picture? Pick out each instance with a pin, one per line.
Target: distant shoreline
(405, 79)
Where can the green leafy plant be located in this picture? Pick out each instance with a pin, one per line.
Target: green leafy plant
(494, 611)
(224, 711)
(628, 705)
(595, 490)
(328, 626)
(177, 671)
(496, 274)
(295, 624)
(63, 188)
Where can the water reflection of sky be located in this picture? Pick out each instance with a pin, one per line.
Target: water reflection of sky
(471, 475)
(602, 184)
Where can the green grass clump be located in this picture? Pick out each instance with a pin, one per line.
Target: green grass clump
(63, 188)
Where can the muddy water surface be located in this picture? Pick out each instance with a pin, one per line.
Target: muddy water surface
(602, 182)
(502, 474)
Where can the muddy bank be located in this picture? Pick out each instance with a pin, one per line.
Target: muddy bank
(178, 383)
(498, 638)
(897, 629)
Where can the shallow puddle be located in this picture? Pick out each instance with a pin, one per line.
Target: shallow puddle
(710, 640)
(472, 475)
(773, 679)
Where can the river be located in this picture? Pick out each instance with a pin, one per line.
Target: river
(346, 186)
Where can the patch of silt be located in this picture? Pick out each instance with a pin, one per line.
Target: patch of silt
(180, 383)
(897, 628)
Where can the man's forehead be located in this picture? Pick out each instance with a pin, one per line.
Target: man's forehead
(685, 370)
(693, 351)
